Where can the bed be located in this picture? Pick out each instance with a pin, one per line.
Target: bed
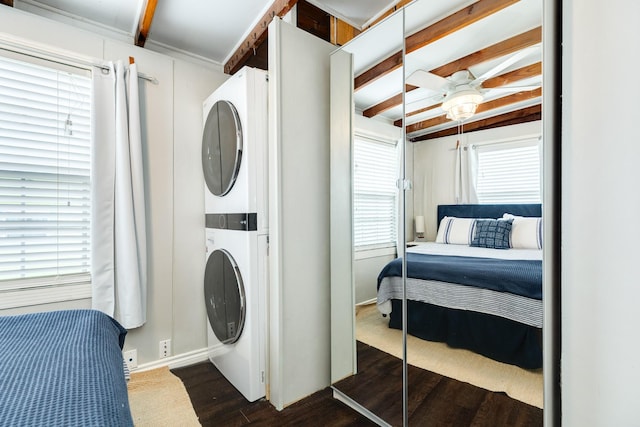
(62, 368)
(465, 292)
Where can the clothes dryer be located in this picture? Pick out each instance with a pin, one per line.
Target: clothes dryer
(234, 163)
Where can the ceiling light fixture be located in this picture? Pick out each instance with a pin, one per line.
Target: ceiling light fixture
(462, 104)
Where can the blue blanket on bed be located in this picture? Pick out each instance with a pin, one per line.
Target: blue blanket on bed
(62, 368)
(521, 277)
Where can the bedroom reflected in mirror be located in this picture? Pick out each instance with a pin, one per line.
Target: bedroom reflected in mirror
(474, 283)
(465, 121)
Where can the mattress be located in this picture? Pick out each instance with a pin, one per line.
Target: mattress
(523, 304)
(62, 368)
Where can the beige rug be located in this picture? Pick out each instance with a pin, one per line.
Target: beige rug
(462, 365)
(158, 398)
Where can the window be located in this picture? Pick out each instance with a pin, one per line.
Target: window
(374, 193)
(45, 198)
(509, 172)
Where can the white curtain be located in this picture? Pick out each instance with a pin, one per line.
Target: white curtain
(457, 182)
(118, 244)
(470, 175)
(465, 173)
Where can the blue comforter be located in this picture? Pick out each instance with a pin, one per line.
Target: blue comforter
(521, 277)
(62, 368)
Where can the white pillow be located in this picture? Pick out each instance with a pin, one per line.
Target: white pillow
(456, 231)
(526, 232)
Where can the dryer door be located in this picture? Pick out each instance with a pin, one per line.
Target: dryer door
(224, 296)
(221, 147)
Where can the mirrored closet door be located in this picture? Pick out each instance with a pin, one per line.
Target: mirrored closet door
(473, 136)
(365, 216)
(437, 85)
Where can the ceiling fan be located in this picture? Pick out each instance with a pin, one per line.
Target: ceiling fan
(461, 92)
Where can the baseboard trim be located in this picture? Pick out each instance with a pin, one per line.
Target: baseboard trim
(177, 361)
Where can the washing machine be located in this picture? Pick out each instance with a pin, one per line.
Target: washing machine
(234, 163)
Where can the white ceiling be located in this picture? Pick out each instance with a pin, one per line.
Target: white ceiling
(211, 30)
(208, 29)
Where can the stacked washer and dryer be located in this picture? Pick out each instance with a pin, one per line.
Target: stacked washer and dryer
(234, 162)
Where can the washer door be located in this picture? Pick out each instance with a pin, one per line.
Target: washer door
(221, 148)
(224, 296)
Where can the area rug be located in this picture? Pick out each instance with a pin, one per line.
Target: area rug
(462, 365)
(158, 398)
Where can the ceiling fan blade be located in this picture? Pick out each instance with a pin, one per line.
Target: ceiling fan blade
(504, 64)
(511, 89)
(427, 80)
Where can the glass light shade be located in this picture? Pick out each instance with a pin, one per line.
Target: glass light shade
(462, 105)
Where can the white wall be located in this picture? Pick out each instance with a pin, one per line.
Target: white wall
(172, 122)
(600, 366)
(434, 166)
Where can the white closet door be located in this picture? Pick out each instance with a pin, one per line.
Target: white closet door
(299, 318)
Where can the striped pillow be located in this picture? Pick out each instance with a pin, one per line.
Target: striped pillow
(526, 232)
(456, 231)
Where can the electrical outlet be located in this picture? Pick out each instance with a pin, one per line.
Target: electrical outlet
(131, 358)
(165, 348)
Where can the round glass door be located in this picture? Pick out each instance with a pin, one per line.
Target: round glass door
(221, 147)
(224, 296)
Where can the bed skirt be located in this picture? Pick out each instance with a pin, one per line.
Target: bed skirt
(495, 337)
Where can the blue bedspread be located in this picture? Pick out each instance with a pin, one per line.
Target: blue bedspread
(62, 368)
(520, 277)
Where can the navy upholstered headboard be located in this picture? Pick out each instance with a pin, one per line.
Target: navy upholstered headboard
(489, 211)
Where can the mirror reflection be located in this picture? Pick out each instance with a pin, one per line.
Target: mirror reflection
(471, 216)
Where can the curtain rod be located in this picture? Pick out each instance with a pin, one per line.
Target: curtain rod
(61, 57)
(503, 141)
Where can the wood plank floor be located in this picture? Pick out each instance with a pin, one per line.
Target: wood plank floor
(434, 400)
(218, 403)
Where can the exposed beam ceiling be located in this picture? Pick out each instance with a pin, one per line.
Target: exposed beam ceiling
(485, 106)
(526, 72)
(144, 23)
(523, 115)
(448, 25)
(257, 35)
(497, 50)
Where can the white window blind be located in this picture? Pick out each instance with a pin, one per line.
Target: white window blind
(44, 175)
(509, 172)
(375, 193)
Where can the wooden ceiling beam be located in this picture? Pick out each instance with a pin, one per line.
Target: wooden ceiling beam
(144, 23)
(446, 26)
(7, 2)
(257, 35)
(505, 47)
(485, 106)
(524, 115)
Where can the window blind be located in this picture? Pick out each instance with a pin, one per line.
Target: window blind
(45, 199)
(509, 173)
(375, 194)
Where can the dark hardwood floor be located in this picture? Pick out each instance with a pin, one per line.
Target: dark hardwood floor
(218, 403)
(434, 400)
